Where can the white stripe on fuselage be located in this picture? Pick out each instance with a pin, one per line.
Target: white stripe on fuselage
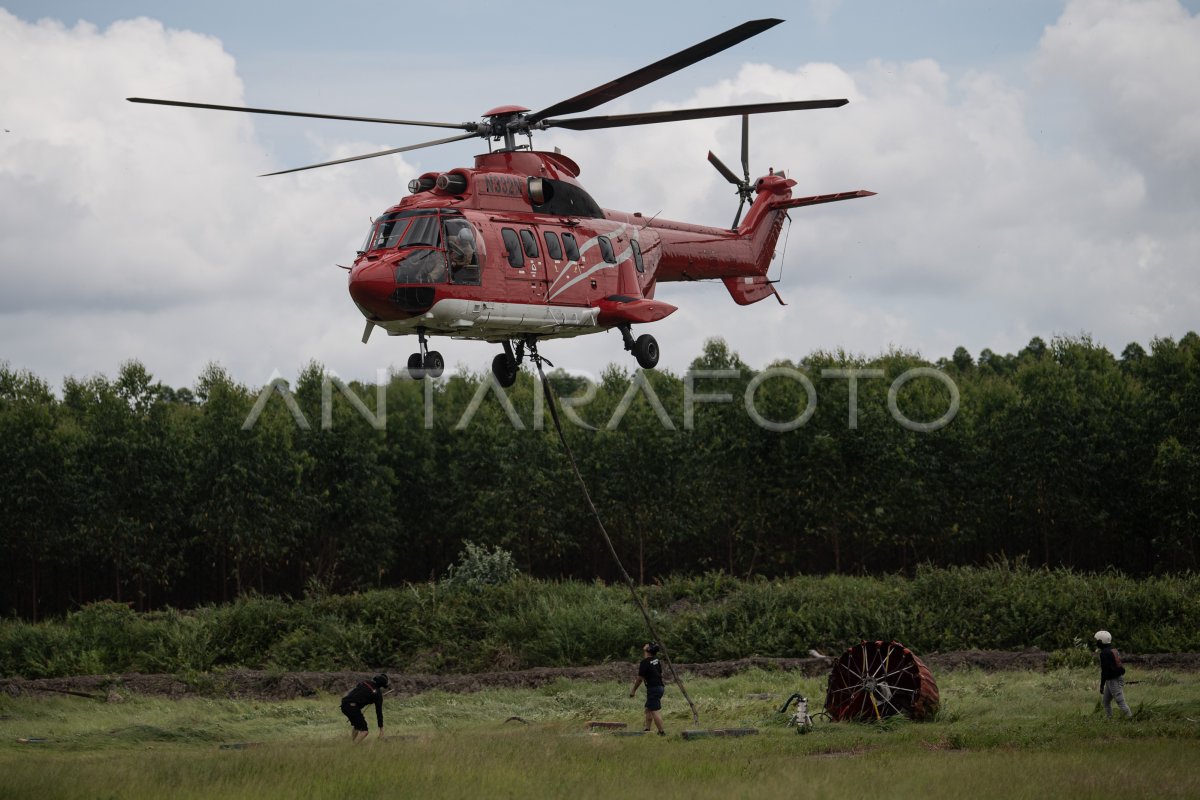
(478, 319)
(589, 244)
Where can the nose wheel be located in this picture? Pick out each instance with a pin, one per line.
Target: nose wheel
(644, 348)
(427, 363)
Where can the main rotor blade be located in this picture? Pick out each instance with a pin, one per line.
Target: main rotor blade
(469, 126)
(652, 117)
(724, 170)
(659, 69)
(373, 155)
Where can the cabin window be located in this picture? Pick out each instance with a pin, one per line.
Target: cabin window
(513, 247)
(529, 242)
(606, 249)
(553, 248)
(571, 246)
(637, 256)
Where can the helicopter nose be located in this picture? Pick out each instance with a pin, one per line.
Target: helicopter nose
(371, 286)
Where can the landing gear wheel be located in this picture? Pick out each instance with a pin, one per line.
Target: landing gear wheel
(504, 367)
(415, 367)
(434, 364)
(873, 680)
(645, 350)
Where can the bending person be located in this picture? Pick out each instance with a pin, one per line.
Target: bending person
(358, 698)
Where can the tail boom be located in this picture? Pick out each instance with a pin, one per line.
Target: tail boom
(739, 257)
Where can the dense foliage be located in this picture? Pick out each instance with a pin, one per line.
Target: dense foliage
(129, 490)
(430, 627)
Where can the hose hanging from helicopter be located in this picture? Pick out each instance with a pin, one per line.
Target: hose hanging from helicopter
(552, 403)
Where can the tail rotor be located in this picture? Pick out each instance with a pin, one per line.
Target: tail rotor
(744, 190)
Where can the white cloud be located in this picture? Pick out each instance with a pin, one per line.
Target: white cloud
(135, 231)
(984, 232)
(1134, 65)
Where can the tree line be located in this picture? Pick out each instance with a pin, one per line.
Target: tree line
(1061, 454)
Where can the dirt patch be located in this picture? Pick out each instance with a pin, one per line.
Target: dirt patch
(259, 684)
(1035, 660)
(849, 752)
(988, 660)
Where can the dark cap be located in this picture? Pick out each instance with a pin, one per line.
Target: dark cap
(381, 681)
(654, 648)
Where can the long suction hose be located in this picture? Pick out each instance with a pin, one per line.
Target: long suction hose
(552, 402)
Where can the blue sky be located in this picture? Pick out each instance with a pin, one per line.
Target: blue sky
(1036, 164)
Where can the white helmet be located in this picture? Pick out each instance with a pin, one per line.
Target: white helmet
(1103, 637)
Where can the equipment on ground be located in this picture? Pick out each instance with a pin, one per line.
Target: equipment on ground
(875, 680)
(801, 719)
(514, 250)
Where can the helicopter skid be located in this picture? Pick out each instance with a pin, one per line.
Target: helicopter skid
(495, 322)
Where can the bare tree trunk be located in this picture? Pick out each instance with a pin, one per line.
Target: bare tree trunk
(641, 558)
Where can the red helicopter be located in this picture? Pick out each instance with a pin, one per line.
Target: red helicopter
(514, 250)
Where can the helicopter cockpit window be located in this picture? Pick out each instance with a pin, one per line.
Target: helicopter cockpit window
(571, 246)
(405, 229)
(637, 256)
(513, 245)
(388, 232)
(529, 243)
(423, 231)
(419, 230)
(606, 249)
(553, 248)
(462, 251)
(422, 266)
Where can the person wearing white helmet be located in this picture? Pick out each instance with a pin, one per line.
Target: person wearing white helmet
(1112, 680)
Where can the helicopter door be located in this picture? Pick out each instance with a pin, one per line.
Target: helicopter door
(462, 251)
(526, 267)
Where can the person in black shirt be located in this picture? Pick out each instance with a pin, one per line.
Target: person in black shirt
(359, 698)
(650, 672)
(1112, 676)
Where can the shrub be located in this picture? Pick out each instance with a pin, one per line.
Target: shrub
(477, 567)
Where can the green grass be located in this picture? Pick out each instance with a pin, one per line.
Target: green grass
(999, 734)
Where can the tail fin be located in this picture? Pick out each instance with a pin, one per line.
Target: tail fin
(761, 228)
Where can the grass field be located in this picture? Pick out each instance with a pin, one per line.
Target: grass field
(1011, 734)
